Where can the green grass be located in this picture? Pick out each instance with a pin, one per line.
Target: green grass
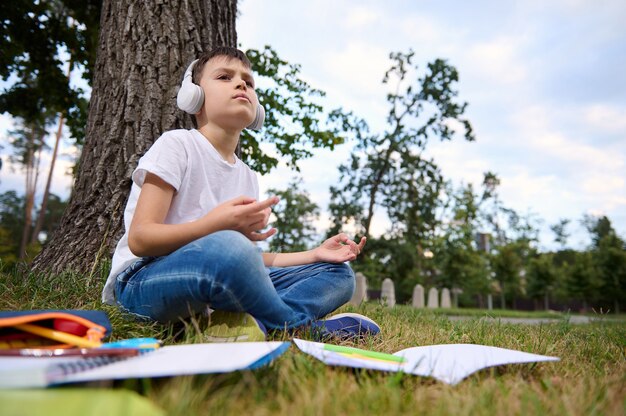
(508, 313)
(590, 379)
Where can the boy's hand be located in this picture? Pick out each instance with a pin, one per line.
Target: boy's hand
(338, 249)
(246, 215)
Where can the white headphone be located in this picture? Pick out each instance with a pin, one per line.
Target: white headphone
(191, 97)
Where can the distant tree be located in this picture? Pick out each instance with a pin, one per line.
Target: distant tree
(491, 208)
(11, 226)
(460, 263)
(560, 232)
(507, 265)
(389, 170)
(28, 143)
(295, 214)
(36, 37)
(582, 280)
(542, 278)
(611, 262)
(609, 257)
(39, 40)
(598, 228)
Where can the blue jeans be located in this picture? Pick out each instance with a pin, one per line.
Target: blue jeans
(225, 271)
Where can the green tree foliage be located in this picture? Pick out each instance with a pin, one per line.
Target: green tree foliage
(460, 263)
(611, 263)
(36, 38)
(295, 214)
(12, 208)
(389, 169)
(560, 232)
(388, 172)
(598, 228)
(507, 265)
(12, 216)
(541, 278)
(609, 257)
(293, 123)
(581, 279)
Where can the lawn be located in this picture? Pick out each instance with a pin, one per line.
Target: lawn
(589, 379)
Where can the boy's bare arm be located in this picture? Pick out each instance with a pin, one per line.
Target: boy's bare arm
(149, 236)
(337, 249)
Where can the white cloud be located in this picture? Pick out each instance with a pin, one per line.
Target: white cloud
(422, 29)
(361, 16)
(523, 189)
(595, 184)
(497, 62)
(586, 157)
(606, 118)
(358, 68)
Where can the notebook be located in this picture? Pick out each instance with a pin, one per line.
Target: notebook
(175, 360)
(449, 363)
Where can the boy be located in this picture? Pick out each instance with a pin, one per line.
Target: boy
(193, 215)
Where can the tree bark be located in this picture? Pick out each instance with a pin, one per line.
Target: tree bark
(144, 49)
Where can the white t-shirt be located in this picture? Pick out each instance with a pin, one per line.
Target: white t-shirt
(201, 177)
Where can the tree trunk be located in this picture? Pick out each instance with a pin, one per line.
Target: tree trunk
(144, 49)
(46, 193)
(32, 158)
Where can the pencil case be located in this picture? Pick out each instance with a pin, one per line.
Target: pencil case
(52, 328)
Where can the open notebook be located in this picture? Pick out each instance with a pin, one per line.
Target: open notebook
(175, 360)
(449, 363)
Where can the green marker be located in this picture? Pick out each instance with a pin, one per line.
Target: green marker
(365, 353)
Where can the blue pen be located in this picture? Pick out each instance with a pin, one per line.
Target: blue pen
(139, 343)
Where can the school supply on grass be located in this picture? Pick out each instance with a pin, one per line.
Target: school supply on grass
(449, 363)
(175, 360)
(53, 329)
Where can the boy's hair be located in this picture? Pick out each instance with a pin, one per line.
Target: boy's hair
(225, 51)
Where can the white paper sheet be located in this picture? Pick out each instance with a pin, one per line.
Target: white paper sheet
(449, 363)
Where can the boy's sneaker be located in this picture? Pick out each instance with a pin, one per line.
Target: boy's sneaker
(234, 327)
(345, 326)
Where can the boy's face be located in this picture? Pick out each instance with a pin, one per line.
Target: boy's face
(229, 97)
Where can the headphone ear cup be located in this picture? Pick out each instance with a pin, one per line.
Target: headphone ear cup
(190, 96)
(257, 124)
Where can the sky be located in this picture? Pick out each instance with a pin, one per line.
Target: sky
(545, 82)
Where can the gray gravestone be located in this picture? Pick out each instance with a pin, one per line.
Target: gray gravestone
(433, 298)
(388, 293)
(418, 296)
(445, 298)
(360, 290)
